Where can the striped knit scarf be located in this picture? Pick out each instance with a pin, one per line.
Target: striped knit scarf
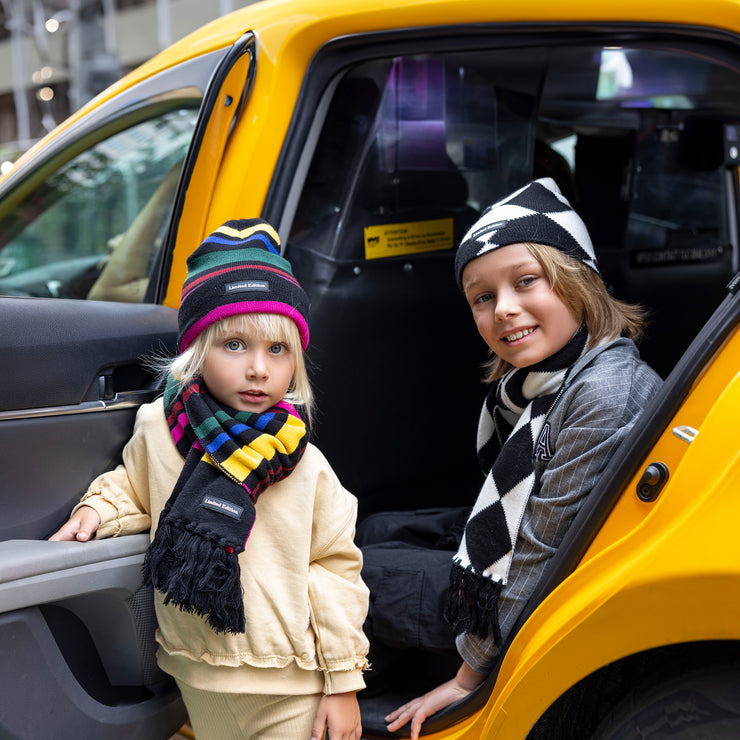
(511, 436)
(230, 459)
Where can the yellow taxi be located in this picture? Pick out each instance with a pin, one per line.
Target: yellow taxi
(372, 135)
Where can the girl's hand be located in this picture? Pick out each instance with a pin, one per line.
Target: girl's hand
(81, 526)
(341, 713)
(417, 710)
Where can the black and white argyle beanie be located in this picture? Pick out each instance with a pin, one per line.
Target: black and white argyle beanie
(538, 213)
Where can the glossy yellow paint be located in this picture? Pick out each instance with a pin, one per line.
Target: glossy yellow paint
(205, 172)
(630, 511)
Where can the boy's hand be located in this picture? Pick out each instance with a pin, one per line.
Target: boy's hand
(341, 713)
(417, 710)
(81, 526)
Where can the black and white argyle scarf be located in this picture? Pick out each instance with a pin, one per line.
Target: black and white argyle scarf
(511, 436)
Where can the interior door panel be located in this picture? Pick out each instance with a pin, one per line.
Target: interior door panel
(74, 617)
(59, 456)
(73, 379)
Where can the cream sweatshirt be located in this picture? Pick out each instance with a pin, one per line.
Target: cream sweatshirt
(304, 600)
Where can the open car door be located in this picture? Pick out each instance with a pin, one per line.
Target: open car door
(76, 626)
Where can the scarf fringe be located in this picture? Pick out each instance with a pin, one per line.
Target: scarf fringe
(197, 575)
(472, 603)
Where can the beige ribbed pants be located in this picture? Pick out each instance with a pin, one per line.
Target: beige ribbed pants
(219, 716)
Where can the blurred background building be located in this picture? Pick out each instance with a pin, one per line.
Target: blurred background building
(55, 55)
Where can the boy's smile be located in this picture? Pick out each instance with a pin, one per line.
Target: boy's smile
(248, 374)
(517, 312)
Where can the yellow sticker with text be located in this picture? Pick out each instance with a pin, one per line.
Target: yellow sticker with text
(389, 240)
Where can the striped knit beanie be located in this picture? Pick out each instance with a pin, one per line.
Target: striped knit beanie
(538, 213)
(238, 269)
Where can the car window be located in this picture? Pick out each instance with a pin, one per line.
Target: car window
(643, 141)
(92, 226)
(640, 137)
(412, 149)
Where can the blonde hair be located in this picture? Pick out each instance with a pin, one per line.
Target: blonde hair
(586, 296)
(261, 326)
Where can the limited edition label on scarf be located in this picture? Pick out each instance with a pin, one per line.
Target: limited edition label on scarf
(223, 507)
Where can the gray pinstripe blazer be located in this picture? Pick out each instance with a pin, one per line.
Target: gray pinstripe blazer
(603, 397)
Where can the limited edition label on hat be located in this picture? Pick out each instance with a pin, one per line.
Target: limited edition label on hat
(248, 286)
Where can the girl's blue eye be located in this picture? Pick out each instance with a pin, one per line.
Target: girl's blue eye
(277, 348)
(483, 298)
(234, 345)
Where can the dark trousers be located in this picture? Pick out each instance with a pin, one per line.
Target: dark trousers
(407, 557)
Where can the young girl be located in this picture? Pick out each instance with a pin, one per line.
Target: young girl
(567, 385)
(259, 599)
